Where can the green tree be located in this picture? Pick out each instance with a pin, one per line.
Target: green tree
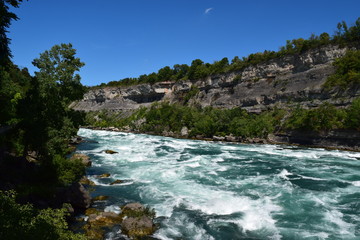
(47, 119)
(58, 74)
(5, 20)
(347, 71)
(353, 115)
(165, 73)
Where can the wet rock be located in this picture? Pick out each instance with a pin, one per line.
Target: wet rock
(94, 233)
(100, 198)
(91, 211)
(97, 221)
(136, 227)
(137, 220)
(104, 219)
(116, 182)
(133, 207)
(105, 175)
(110, 151)
(85, 181)
(84, 159)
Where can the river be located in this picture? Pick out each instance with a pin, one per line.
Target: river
(207, 190)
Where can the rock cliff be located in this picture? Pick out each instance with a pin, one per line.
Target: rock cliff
(283, 82)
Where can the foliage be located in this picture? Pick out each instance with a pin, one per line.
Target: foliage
(194, 90)
(353, 115)
(14, 84)
(324, 118)
(344, 36)
(347, 71)
(48, 120)
(206, 122)
(209, 121)
(67, 171)
(23, 221)
(5, 20)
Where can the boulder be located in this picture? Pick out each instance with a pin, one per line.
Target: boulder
(110, 151)
(84, 159)
(77, 196)
(97, 221)
(76, 140)
(104, 219)
(136, 227)
(218, 138)
(137, 220)
(133, 207)
(116, 182)
(85, 181)
(91, 211)
(184, 132)
(104, 175)
(230, 138)
(100, 198)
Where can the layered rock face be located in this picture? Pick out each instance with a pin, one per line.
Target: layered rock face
(283, 82)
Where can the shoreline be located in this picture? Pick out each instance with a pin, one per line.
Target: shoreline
(329, 141)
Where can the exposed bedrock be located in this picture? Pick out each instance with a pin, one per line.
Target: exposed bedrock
(290, 80)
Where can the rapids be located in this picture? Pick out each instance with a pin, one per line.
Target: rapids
(206, 190)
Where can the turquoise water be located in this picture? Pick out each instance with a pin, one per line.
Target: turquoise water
(206, 190)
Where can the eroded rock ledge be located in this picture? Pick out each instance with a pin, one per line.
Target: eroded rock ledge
(290, 80)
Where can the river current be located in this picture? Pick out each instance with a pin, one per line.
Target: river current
(206, 190)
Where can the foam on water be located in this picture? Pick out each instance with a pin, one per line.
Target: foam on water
(203, 190)
(356, 183)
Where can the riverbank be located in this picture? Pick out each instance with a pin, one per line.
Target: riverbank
(345, 140)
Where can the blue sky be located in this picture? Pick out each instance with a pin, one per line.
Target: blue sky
(126, 38)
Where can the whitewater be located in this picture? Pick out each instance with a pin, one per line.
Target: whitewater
(210, 190)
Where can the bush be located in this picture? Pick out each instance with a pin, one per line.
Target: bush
(23, 221)
(353, 115)
(326, 117)
(347, 71)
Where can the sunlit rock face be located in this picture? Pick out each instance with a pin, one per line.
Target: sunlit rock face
(287, 81)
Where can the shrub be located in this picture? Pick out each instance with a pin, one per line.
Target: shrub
(23, 221)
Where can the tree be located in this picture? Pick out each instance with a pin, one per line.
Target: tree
(5, 20)
(57, 74)
(47, 119)
(165, 73)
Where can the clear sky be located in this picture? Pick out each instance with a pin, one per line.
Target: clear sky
(126, 38)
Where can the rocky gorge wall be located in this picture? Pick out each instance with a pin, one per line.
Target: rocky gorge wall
(283, 82)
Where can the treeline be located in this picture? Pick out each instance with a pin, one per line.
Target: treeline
(36, 125)
(209, 122)
(344, 35)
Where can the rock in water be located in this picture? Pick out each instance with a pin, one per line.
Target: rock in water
(133, 207)
(136, 227)
(100, 198)
(85, 181)
(116, 182)
(110, 151)
(104, 175)
(97, 221)
(137, 220)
